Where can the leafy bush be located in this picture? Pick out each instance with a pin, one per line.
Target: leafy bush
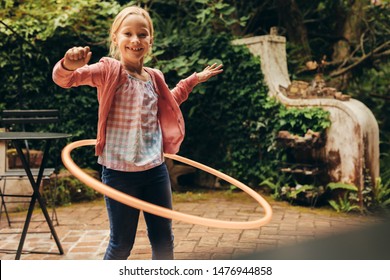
(299, 120)
(65, 189)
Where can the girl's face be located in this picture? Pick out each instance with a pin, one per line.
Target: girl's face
(133, 39)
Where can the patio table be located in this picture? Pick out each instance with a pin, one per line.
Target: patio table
(17, 138)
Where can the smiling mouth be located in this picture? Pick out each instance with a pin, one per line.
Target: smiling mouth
(135, 49)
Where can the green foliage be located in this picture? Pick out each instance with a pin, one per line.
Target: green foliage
(381, 195)
(66, 189)
(375, 198)
(302, 189)
(346, 197)
(343, 204)
(299, 120)
(307, 194)
(342, 186)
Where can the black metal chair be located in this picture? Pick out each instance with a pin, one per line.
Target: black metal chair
(27, 120)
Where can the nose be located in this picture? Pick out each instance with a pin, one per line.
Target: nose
(134, 39)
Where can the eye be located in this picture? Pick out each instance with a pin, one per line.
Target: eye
(142, 35)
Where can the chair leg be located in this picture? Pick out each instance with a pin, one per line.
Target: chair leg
(53, 195)
(3, 205)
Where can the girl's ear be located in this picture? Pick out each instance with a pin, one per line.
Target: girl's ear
(113, 38)
(151, 40)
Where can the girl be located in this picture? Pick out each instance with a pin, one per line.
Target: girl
(139, 119)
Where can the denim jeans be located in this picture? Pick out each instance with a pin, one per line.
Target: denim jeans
(151, 185)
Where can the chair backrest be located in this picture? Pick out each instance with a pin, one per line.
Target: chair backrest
(28, 120)
(22, 120)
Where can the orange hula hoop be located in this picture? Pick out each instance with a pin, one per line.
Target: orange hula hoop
(161, 211)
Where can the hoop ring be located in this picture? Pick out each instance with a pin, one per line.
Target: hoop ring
(161, 211)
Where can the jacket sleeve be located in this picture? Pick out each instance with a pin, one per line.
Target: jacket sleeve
(184, 88)
(91, 75)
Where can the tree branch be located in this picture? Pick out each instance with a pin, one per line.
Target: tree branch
(361, 60)
(382, 54)
(387, 98)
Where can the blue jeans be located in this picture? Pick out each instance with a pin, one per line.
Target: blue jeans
(151, 185)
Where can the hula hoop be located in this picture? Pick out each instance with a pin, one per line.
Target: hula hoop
(161, 211)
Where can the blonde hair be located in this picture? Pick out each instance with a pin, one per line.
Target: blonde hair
(132, 10)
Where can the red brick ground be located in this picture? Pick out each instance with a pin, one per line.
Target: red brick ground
(83, 230)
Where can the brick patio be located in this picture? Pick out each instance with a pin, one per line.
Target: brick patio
(83, 230)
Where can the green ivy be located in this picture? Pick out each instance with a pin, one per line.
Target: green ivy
(299, 120)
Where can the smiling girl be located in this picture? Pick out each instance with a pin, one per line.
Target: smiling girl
(139, 120)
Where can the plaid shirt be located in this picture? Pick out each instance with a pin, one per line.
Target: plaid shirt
(133, 136)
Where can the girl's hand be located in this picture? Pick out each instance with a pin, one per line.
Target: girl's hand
(208, 72)
(76, 57)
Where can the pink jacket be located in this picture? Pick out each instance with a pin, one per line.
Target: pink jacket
(109, 74)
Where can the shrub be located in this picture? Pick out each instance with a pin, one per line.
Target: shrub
(65, 189)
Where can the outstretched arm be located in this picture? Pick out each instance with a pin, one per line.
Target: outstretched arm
(184, 87)
(208, 72)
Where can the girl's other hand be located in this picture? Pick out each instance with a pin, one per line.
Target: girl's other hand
(77, 57)
(209, 71)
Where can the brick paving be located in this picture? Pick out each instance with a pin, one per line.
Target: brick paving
(83, 230)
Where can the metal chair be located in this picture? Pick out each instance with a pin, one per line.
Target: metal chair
(27, 120)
